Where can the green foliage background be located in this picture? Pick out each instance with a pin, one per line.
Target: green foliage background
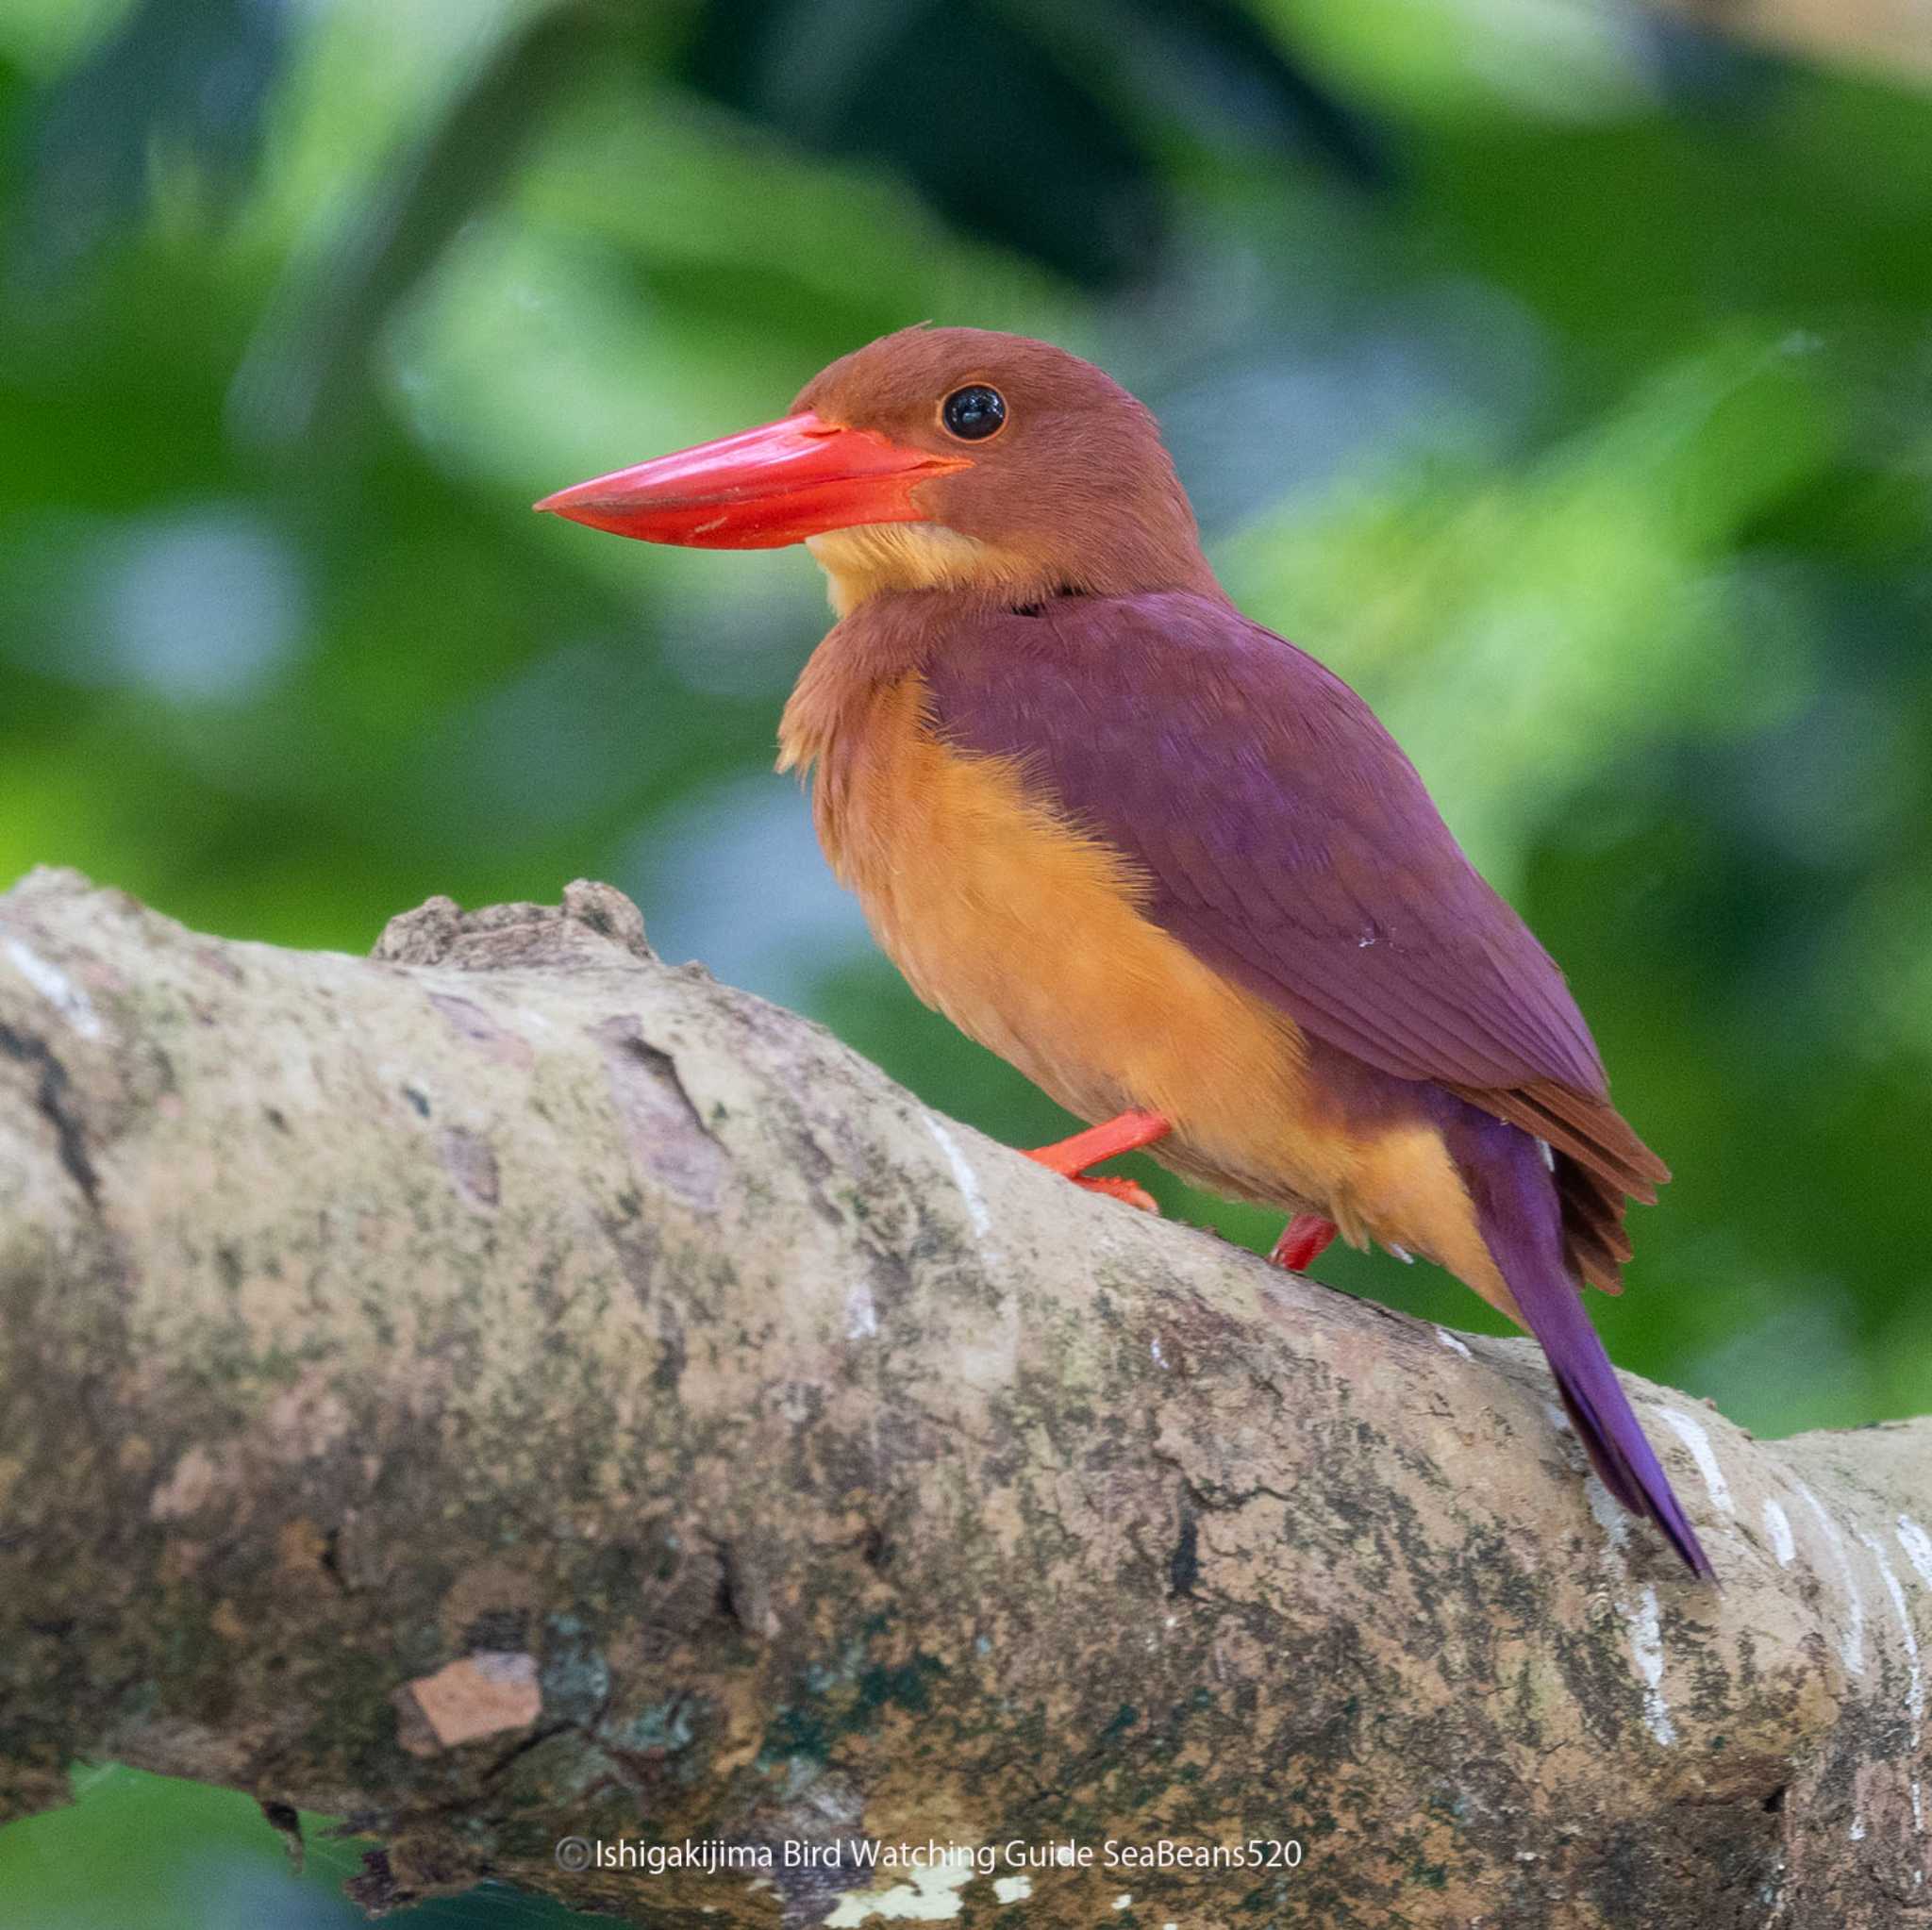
(1563, 378)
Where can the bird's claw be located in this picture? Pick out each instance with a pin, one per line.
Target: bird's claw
(1303, 1242)
(1071, 1157)
(1129, 1192)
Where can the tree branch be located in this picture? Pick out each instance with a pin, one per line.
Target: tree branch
(511, 1389)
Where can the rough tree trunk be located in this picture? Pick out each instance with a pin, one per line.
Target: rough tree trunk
(512, 1390)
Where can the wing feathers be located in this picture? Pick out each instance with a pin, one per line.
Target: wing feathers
(1593, 1235)
(1584, 1126)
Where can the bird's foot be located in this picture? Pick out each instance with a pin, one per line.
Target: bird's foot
(1071, 1157)
(1116, 1187)
(1303, 1242)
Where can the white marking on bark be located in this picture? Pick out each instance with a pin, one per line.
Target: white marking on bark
(1643, 1616)
(1154, 1348)
(1012, 1890)
(1453, 1345)
(1603, 1504)
(1124, 1902)
(1778, 1524)
(1858, 1831)
(1694, 1437)
(188, 1489)
(1918, 1547)
(59, 991)
(967, 1179)
(1918, 1806)
(1915, 1673)
(931, 1896)
(1647, 1647)
(1851, 1644)
(861, 1316)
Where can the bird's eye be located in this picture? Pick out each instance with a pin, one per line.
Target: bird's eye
(974, 413)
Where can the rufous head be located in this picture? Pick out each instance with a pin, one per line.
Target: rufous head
(952, 459)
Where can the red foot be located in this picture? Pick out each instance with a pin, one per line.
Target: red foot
(1116, 1188)
(1071, 1157)
(1303, 1242)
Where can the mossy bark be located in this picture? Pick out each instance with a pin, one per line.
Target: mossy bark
(511, 1389)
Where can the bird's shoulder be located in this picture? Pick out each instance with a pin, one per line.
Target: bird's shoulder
(1195, 649)
(1175, 697)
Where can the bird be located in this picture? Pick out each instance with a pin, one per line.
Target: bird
(1162, 860)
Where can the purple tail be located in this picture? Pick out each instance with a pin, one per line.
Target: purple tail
(1520, 1217)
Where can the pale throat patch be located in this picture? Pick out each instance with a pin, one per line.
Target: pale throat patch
(871, 556)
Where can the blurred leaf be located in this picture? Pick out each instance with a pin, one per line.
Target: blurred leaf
(161, 1854)
(1213, 73)
(308, 366)
(955, 97)
(181, 81)
(1033, 125)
